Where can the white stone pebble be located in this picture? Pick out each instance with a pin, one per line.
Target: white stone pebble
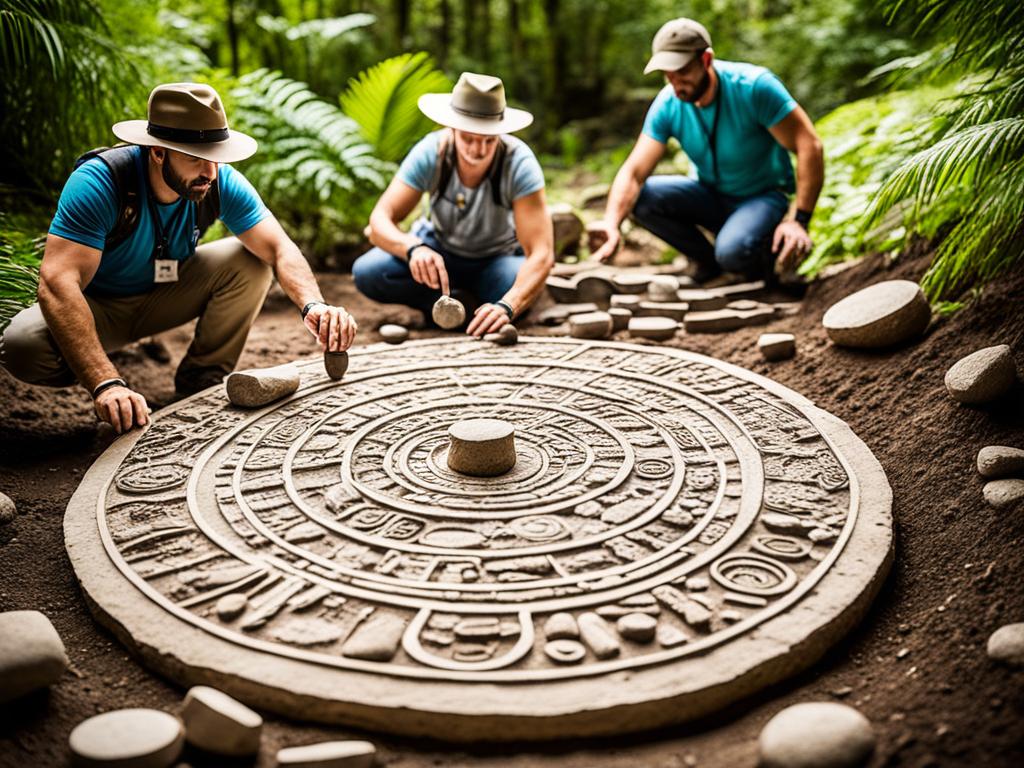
(127, 738)
(7, 509)
(257, 387)
(881, 315)
(328, 754)
(982, 376)
(776, 346)
(393, 334)
(215, 722)
(1006, 644)
(638, 627)
(817, 735)
(31, 654)
(996, 461)
(1003, 493)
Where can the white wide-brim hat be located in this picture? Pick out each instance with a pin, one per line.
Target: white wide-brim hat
(477, 105)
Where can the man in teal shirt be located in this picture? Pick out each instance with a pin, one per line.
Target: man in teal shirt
(737, 123)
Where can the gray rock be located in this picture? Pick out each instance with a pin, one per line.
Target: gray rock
(675, 309)
(591, 325)
(638, 627)
(448, 313)
(653, 328)
(559, 313)
(481, 447)
(568, 228)
(393, 333)
(625, 301)
(1006, 645)
(982, 376)
(817, 735)
(562, 289)
(127, 738)
(257, 387)
(7, 509)
(701, 300)
(776, 346)
(335, 363)
(738, 290)
(663, 288)
(595, 288)
(506, 336)
(376, 639)
(723, 320)
(1003, 493)
(620, 318)
(328, 754)
(230, 607)
(561, 626)
(217, 723)
(881, 315)
(996, 461)
(630, 283)
(32, 655)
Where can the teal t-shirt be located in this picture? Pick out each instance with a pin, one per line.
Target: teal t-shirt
(479, 228)
(87, 211)
(750, 100)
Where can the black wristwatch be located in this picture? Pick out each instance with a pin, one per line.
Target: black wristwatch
(411, 248)
(107, 384)
(802, 217)
(506, 306)
(309, 306)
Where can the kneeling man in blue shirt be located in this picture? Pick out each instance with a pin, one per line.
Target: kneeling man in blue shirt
(122, 262)
(737, 123)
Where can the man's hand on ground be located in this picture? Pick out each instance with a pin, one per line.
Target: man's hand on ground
(122, 409)
(488, 318)
(427, 268)
(333, 327)
(603, 243)
(792, 243)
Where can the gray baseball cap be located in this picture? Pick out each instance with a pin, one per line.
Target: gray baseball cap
(675, 45)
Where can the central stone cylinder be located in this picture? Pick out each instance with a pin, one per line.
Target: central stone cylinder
(481, 447)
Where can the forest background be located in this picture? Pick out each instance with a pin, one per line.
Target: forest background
(920, 104)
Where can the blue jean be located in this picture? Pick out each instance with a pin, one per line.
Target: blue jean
(671, 207)
(385, 277)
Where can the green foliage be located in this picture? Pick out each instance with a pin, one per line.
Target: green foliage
(21, 250)
(313, 166)
(382, 100)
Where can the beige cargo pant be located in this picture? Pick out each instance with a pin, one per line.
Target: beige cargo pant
(222, 284)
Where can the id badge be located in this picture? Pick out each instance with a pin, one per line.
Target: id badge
(165, 271)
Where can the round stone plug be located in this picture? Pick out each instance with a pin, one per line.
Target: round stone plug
(481, 447)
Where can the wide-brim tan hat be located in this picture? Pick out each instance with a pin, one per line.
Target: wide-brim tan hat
(676, 44)
(189, 118)
(477, 105)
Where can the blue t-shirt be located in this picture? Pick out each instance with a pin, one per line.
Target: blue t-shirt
(87, 211)
(750, 100)
(478, 228)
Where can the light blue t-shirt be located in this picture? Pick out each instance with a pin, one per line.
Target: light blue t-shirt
(479, 228)
(87, 211)
(750, 100)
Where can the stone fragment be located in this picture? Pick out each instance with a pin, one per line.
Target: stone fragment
(481, 447)
(31, 653)
(663, 288)
(127, 738)
(506, 336)
(230, 607)
(595, 288)
(565, 651)
(638, 627)
(675, 309)
(335, 363)
(737, 290)
(448, 313)
(817, 735)
(1006, 645)
(701, 300)
(625, 301)
(776, 346)
(881, 315)
(598, 635)
(257, 387)
(217, 723)
(561, 626)
(996, 461)
(722, 320)
(982, 376)
(653, 328)
(592, 325)
(748, 304)
(376, 639)
(620, 318)
(562, 289)
(669, 636)
(1003, 493)
(568, 228)
(7, 509)
(630, 283)
(392, 333)
(328, 754)
(559, 313)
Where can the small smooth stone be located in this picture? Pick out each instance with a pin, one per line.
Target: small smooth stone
(638, 627)
(653, 328)
(335, 363)
(722, 320)
(506, 336)
(7, 509)
(230, 607)
(982, 376)
(996, 461)
(625, 301)
(663, 288)
(817, 735)
(881, 315)
(392, 333)
(597, 634)
(675, 309)
(1003, 493)
(564, 651)
(737, 290)
(32, 654)
(776, 346)
(559, 313)
(328, 754)
(620, 318)
(1006, 645)
(595, 288)
(562, 289)
(127, 738)
(561, 626)
(630, 283)
(217, 723)
(568, 228)
(592, 325)
(257, 387)
(481, 447)
(701, 300)
(448, 313)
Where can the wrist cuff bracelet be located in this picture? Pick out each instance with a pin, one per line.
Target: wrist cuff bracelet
(309, 306)
(507, 307)
(107, 384)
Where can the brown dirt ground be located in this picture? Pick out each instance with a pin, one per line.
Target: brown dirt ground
(916, 666)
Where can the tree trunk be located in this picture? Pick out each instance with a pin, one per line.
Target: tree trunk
(401, 10)
(445, 33)
(484, 9)
(233, 37)
(557, 52)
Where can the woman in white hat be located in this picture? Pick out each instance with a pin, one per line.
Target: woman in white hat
(488, 232)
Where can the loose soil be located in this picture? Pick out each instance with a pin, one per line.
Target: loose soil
(916, 666)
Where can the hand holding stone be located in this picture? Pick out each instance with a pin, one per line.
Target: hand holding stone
(427, 268)
(794, 242)
(488, 318)
(122, 408)
(334, 328)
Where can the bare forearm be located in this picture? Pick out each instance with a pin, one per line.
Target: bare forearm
(384, 233)
(70, 320)
(295, 276)
(529, 283)
(810, 174)
(622, 196)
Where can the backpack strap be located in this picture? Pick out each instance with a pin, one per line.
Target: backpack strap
(121, 160)
(494, 175)
(208, 209)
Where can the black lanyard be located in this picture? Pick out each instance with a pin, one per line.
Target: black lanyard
(160, 246)
(713, 136)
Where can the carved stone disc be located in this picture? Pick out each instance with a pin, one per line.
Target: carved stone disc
(676, 534)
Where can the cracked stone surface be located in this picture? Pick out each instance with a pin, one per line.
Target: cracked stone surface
(378, 588)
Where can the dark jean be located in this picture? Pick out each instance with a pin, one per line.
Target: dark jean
(386, 278)
(671, 207)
